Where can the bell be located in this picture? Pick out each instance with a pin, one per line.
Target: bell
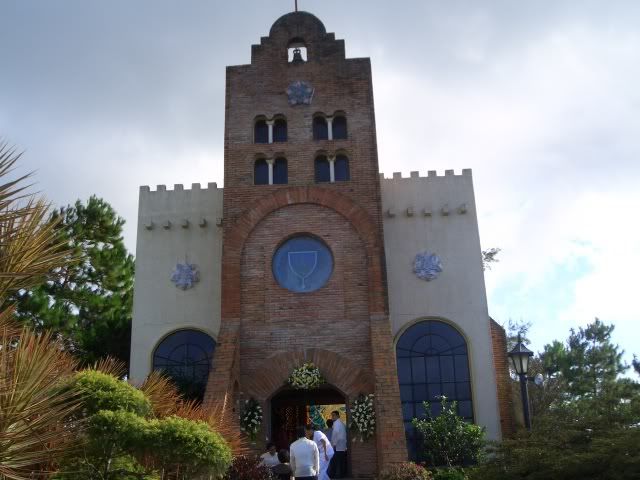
(297, 56)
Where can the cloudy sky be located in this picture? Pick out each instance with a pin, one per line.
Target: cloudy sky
(540, 98)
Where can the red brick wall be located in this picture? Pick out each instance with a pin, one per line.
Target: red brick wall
(501, 364)
(260, 319)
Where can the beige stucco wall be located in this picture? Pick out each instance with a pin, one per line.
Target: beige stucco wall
(159, 307)
(458, 295)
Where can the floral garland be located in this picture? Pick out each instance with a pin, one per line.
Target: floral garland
(251, 418)
(363, 417)
(306, 377)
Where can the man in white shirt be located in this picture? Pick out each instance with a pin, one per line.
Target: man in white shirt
(338, 467)
(305, 458)
(270, 457)
(324, 447)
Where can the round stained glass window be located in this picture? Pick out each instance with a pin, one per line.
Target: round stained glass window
(302, 264)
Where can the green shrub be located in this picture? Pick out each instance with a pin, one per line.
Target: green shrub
(449, 474)
(105, 392)
(405, 471)
(190, 447)
(448, 439)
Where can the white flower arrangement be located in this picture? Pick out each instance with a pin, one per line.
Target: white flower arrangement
(363, 417)
(251, 418)
(306, 377)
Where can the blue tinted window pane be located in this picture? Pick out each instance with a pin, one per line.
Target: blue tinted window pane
(261, 132)
(407, 411)
(420, 393)
(465, 410)
(433, 369)
(419, 408)
(186, 356)
(302, 264)
(463, 391)
(323, 173)
(280, 171)
(339, 128)
(435, 392)
(446, 369)
(449, 390)
(462, 367)
(261, 173)
(417, 367)
(280, 130)
(341, 168)
(404, 370)
(320, 130)
(406, 393)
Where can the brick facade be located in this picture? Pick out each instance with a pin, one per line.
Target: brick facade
(501, 365)
(266, 330)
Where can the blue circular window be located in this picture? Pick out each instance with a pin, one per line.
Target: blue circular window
(302, 264)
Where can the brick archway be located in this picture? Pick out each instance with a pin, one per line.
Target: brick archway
(237, 234)
(338, 371)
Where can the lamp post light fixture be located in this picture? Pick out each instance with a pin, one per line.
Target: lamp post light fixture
(520, 356)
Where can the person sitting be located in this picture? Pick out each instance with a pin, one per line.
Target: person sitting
(283, 471)
(270, 457)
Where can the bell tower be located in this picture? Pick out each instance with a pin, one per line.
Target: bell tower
(303, 267)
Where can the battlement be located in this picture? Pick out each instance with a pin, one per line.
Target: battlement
(431, 174)
(178, 187)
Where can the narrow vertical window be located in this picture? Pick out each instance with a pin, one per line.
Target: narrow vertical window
(320, 130)
(280, 175)
(339, 128)
(323, 169)
(261, 172)
(341, 168)
(280, 130)
(261, 132)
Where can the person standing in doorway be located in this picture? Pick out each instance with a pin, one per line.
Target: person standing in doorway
(339, 442)
(324, 448)
(304, 457)
(328, 430)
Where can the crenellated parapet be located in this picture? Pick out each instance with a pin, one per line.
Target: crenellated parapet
(429, 196)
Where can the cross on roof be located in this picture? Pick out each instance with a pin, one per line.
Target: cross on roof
(296, 1)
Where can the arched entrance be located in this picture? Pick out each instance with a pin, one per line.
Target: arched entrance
(291, 408)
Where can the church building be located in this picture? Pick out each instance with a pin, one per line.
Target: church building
(310, 255)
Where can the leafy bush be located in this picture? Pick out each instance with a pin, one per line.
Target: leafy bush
(189, 447)
(448, 439)
(105, 392)
(449, 474)
(245, 468)
(405, 471)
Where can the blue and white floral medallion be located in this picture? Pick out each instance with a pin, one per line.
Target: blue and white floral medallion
(185, 275)
(300, 93)
(427, 266)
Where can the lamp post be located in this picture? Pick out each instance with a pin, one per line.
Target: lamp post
(520, 356)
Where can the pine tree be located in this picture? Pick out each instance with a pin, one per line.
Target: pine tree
(89, 303)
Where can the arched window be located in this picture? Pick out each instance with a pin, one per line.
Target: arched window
(280, 171)
(320, 130)
(432, 361)
(261, 172)
(185, 356)
(280, 130)
(261, 132)
(323, 172)
(341, 168)
(339, 128)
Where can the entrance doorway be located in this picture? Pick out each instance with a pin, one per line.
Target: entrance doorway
(291, 408)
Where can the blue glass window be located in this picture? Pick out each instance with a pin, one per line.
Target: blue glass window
(302, 264)
(261, 172)
(280, 171)
(339, 128)
(341, 168)
(185, 356)
(323, 173)
(320, 129)
(280, 130)
(261, 132)
(432, 361)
